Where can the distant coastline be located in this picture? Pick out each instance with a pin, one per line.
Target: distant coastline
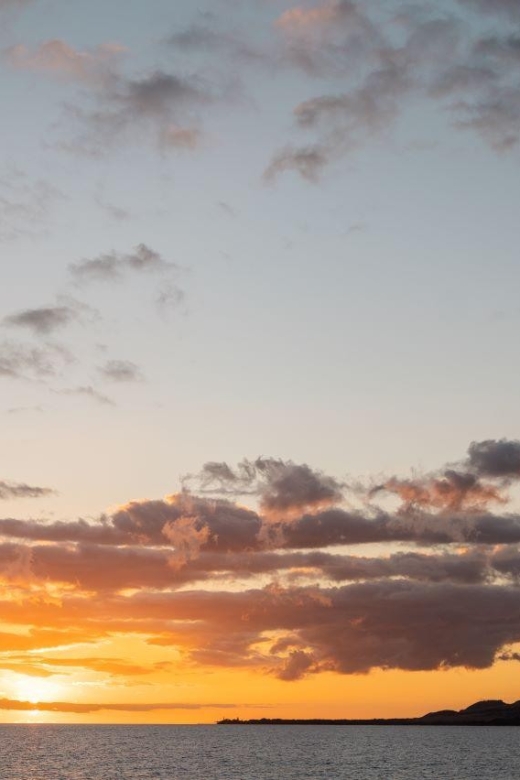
(482, 713)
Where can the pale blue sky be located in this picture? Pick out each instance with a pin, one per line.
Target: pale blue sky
(364, 321)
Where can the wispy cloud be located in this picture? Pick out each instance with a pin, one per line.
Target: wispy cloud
(121, 371)
(114, 265)
(44, 320)
(27, 362)
(160, 104)
(60, 60)
(86, 708)
(87, 391)
(494, 7)
(207, 37)
(385, 64)
(25, 204)
(14, 490)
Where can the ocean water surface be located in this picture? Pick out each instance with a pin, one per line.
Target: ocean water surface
(52, 752)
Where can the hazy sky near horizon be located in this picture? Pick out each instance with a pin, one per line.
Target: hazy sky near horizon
(258, 229)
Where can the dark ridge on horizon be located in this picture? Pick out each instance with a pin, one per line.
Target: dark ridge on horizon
(482, 713)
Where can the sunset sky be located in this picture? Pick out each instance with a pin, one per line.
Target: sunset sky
(259, 382)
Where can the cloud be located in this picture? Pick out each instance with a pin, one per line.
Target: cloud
(115, 667)
(186, 561)
(87, 708)
(308, 161)
(296, 666)
(283, 486)
(19, 361)
(25, 204)
(453, 490)
(42, 321)
(329, 39)
(186, 538)
(275, 589)
(203, 38)
(88, 391)
(223, 526)
(387, 64)
(59, 59)
(349, 119)
(351, 629)
(23, 409)
(163, 105)
(507, 7)
(120, 371)
(113, 266)
(495, 458)
(14, 490)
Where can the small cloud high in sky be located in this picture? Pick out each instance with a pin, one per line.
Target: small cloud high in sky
(258, 318)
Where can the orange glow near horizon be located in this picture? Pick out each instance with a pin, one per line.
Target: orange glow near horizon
(191, 609)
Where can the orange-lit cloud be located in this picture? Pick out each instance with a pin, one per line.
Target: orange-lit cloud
(275, 589)
(74, 707)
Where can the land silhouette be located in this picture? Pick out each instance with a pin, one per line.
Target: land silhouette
(482, 713)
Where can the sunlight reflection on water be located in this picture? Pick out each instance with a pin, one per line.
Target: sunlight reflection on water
(47, 752)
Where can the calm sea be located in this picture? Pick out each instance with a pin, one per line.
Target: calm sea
(36, 752)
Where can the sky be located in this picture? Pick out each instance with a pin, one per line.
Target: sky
(258, 377)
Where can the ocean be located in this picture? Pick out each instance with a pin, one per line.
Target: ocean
(52, 752)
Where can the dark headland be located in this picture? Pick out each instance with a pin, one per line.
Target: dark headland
(482, 713)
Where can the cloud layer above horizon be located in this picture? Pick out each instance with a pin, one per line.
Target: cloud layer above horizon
(286, 589)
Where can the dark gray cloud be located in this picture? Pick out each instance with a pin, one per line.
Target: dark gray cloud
(414, 627)
(352, 629)
(503, 50)
(419, 55)
(20, 361)
(209, 525)
(44, 320)
(114, 265)
(296, 666)
(121, 371)
(494, 7)
(495, 458)
(204, 38)
(14, 490)
(506, 561)
(164, 100)
(95, 567)
(281, 485)
(164, 106)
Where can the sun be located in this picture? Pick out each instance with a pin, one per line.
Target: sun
(36, 689)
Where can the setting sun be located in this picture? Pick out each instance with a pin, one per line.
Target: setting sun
(36, 690)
